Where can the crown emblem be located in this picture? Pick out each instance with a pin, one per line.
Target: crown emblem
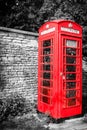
(70, 25)
(47, 26)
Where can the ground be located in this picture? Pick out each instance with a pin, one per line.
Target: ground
(34, 121)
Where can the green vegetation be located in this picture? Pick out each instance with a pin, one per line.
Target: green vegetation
(29, 15)
(11, 106)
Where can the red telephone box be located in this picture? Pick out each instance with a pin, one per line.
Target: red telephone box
(60, 69)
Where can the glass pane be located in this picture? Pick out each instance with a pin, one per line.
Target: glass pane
(46, 43)
(70, 68)
(71, 60)
(46, 83)
(71, 43)
(46, 75)
(46, 99)
(46, 91)
(46, 67)
(70, 51)
(71, 76)
(46, 51)
(70, 85)
(70, 93)
(72, 102)
(46, 59)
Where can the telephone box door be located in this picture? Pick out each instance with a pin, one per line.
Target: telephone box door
(71, 76)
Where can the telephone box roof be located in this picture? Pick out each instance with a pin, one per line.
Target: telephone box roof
(60, 21)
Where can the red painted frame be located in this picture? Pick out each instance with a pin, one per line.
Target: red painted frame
(52, 99)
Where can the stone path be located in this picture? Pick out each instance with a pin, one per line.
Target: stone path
(72, 124)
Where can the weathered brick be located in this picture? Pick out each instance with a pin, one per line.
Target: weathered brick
(18, 63)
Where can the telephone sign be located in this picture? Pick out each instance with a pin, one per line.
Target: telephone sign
(60, 68)
(69, 30)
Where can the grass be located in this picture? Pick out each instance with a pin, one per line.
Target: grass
(23, 123)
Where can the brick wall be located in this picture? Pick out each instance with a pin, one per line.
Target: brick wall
(18, 63)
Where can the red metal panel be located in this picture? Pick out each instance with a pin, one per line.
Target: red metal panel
(60, 69)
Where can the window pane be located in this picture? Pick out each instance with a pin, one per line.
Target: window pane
(46, 83)
(46, 75)
(46, 99)
(70, 85)
(46, 51)
(71, 43)
(70, 93)
(46, 59)
(70, 68)
(46, 91)
(71, 60)
(46, 43)
(71, 76)
(70, 51)
(46, 67)
(72, 102)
